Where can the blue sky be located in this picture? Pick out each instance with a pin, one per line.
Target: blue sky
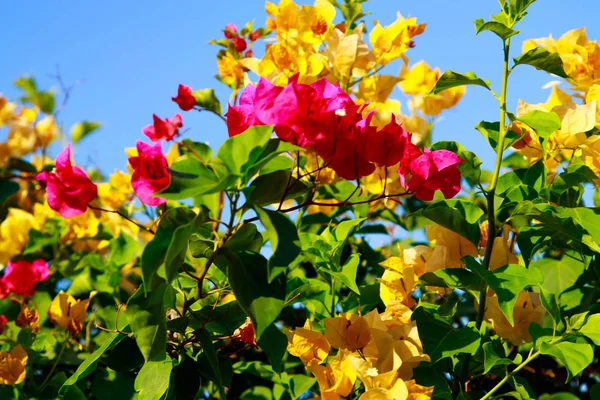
(130, 56)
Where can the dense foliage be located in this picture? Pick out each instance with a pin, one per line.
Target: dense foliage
(328, 249)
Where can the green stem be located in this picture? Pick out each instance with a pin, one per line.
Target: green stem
(62, 350)
(490, 197)
(510, 375)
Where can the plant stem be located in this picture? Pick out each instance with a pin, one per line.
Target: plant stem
(491, 208)
(62, 350)
(510, 375)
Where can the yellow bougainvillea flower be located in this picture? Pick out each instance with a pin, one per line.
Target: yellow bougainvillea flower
(418, 392)
(230, 71)
(348, 331)
(68, 313)
(396, 345)
(434, 104)
(590, 155)
(14, 233)
(502, 251)
(349, 55)
(336, 378)
(21, 135)
(308, 345)
(28, 317)
(376, 89)
(528, 309)
(575, 121)
(419, 79)
(416, 125)
(391, 42)
(425, 259)
(12, 366)
(397, 282)
(456, 245)
(7, 111)
(117, 191)
(381, 179)
(579, 55)
(418, 82)
(45, 131)
(314, 23)
(593, 94)
(386, 386)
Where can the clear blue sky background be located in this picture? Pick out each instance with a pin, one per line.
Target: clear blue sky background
(131, 55)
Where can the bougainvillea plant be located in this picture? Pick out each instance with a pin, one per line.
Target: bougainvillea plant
(328, 248)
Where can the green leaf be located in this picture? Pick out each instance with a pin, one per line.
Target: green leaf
(153, 379)
(542, 122)
(491, 132)
(176, 252)
(274, 343)
(494, 355)
(454, 278)
(507, 282)
(450, 79)
(209, 350)
(270, 188)
(591, 329)
(166, 245)
(533, 177)
(7, 189)
(20, 165)
(463, 340)
(91, 362)
(550, 304)
(82, 129)
(574, 356)
(123, 250)
(195, 149)
(459, 216)
(146, 317)
(260, 299)
(559, 275)
(348, 274)
(206, 99)
(190, 178)
(501, 30)
(239, 153)
(543, 60)
(559, 396)
(284, 240)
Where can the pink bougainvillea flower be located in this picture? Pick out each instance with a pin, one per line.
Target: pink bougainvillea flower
(435, 170)
(254, 36)
(163, 129)
(242, 116)
(387, 147)
(239, 44)
(21, 276)
(230, 31)
(150, 173)
(299, 112)
(3, 323)
(245, 333)
(68, 188)
(340, 143)
(185, 99)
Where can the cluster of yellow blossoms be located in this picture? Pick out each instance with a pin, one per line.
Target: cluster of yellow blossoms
(64, 311)
(447, 249)
(29, 129)
(381, 350)
(581, 62)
